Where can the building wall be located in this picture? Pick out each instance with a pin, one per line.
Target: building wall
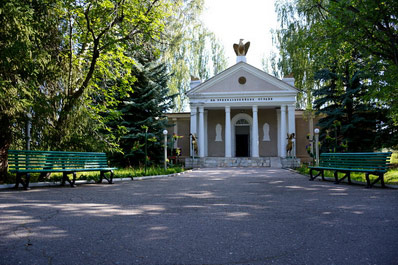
(268, 148)
(215, 149)
(302, 130)
(183, 130)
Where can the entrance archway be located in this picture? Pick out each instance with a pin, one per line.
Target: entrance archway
(241, 135)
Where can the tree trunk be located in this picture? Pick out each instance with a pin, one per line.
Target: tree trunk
(3, 163)
(5, 142)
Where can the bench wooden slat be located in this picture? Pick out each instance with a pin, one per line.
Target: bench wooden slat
(27, 161)
(368, 163)
(65, 170)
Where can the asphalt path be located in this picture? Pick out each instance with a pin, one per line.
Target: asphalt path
(207, 216)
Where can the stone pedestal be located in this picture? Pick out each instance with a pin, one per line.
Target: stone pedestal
(290, 162)
(227, 162)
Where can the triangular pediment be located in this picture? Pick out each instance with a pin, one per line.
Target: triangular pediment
(255, 81)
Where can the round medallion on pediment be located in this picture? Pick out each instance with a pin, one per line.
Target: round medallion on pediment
(242, 80)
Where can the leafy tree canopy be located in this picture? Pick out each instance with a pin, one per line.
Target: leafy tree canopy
(343, 56)
(315, 33)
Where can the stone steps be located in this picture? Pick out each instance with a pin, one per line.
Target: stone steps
(210, 162)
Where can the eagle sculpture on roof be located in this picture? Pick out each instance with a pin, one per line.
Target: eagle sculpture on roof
(241, 49)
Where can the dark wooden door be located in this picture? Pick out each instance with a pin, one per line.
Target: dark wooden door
(242, 145)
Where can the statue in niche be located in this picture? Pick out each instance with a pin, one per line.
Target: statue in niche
(266, 132)
(218, 133)
(289, 146)
(241, 49)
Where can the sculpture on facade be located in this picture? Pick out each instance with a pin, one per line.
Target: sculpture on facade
(194, 143)
(289, 146)
(218, 133)
(194, 78)
(266, 132)
(241, 49)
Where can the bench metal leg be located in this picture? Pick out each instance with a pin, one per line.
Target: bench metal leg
(367, 180)
(382, 181)
(102, 176)
(17, 181)
(111, 177)
(336, 177)
(347, 175)
(73, 180)
(24, 183)
(319, 173)
(380, 178)
(27, 180)
(66, 178)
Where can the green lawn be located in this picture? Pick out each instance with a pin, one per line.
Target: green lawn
(391, 177)
(394, 158)
(119, 173)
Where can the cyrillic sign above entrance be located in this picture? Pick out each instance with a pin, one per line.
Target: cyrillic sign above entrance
(256, 99)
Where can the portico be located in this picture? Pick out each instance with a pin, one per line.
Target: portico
(242, 112)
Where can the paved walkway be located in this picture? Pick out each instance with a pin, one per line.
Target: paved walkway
(209, 216)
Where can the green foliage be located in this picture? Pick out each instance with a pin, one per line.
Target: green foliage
(144, 111)
(394, 158)
(29, 49)
(96, 36)
(318, 33)
(346, 52)
(192, 50)
(54, 56)
(349, 123)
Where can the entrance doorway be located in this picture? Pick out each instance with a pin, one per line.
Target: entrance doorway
(242, 141)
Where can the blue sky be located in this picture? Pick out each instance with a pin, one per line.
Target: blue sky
(250, 20)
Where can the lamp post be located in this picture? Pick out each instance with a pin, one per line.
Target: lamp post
(28, 128)
(165, 148)
(316, 131)
(146, 149)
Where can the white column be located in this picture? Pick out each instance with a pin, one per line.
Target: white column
(201, 132)
(291, 119)
(193, 124)
(206, 136)
(278, 122)
(283, 131)
(227, 131)
(292, 125)
(255, 152)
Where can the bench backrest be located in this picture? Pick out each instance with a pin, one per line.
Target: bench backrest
(32, 160)
(367, 161)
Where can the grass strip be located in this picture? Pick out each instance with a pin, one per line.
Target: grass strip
(391, 177)
(95, 175)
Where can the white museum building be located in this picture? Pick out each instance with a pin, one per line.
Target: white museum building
(241, 117)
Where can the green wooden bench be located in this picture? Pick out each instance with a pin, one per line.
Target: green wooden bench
(23, 162)
(368, 163)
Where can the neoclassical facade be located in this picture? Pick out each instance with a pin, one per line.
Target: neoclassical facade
(241, 117)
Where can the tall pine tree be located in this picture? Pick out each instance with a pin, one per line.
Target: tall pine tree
(350, 122)
(143, 108)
